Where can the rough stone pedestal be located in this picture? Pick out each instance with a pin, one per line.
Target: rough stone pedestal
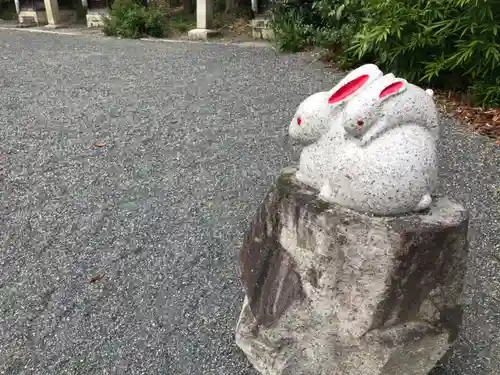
(330, 291)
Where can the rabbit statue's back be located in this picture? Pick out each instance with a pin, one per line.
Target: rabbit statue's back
(394, 174)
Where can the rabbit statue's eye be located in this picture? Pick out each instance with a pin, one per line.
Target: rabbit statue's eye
(360, 123)
(299, 120)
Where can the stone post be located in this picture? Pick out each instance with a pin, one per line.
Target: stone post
(53, 16)
(330, 290)
(204, 21)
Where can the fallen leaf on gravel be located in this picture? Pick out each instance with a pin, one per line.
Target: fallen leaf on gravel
(99, 144)
(95, 278)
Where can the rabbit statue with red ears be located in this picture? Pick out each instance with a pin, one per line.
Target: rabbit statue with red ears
(370, 114)
(379, 155)
(313, 116)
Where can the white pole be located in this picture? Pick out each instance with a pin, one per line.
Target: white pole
(204, 14)
(255, 6)
(18, 6)
(204, 21)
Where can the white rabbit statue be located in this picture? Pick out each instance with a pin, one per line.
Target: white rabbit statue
(382, 158)
(370, 114)
(314, 114)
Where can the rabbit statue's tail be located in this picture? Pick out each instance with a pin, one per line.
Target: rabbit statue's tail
(429, 92)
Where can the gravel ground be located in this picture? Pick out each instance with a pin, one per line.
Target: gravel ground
(122, 259)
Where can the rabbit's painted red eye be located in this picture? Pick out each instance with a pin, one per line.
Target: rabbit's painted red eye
(299, 120)
(360, 123)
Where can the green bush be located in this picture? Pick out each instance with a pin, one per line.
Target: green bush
(129, 19)
(156, 23)
(339, 21)
(7, 10)
(453, 44)
(323, 23)
(291, 32)
(182, 22)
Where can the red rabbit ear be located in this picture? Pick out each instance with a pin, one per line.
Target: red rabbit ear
(392, 89)
(348, 89)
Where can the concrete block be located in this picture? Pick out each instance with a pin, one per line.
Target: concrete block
(95, 17)
(202, 34)
(261, 29)
(334, 291)
(260, 23)
(267, 34)
(29, 18)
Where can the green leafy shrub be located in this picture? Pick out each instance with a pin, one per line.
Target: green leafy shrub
(129, 19)
(182, 22)
(157, 24)
(452, 43)
(339, 21)
(291, 32)
(324, 23)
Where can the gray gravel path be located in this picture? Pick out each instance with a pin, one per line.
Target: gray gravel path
(194, 135)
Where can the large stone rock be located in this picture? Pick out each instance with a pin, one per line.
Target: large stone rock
(333, 291)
